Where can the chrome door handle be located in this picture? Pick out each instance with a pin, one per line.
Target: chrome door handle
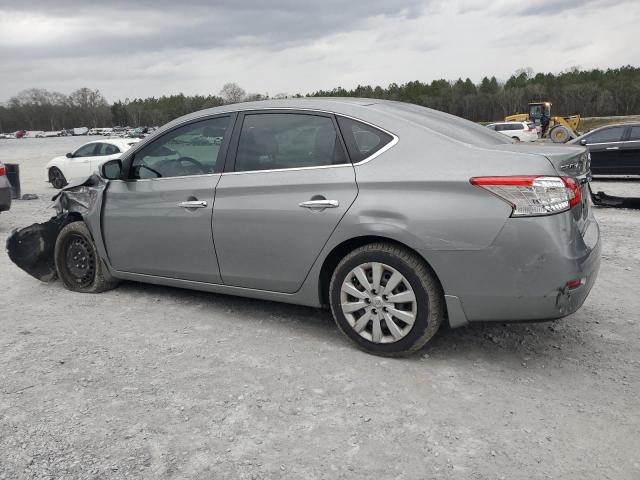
(319, 204)
(612, 148)
(193, 204)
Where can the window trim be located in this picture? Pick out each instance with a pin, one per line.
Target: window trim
(130, 154)
(230, 169)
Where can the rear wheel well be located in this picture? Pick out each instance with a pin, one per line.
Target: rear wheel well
(340, 251)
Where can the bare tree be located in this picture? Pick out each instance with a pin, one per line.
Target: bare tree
(232, 93)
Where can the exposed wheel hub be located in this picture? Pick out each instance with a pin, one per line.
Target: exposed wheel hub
(80, 260)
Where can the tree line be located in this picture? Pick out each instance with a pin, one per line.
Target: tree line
(587, 92)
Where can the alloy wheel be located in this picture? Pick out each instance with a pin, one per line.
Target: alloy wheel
(378, 302)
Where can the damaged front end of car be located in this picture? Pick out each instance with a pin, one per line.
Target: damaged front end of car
(32, 248)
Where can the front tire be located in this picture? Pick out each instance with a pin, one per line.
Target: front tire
(560, 134)
(77, 261)
(386, 299)
(56, 178)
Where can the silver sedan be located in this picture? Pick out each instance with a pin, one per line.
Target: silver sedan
(397, 217)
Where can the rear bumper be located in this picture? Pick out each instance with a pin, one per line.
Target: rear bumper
(523, 275)
(5, 196)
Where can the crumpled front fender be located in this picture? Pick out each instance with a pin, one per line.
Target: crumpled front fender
(32, 248)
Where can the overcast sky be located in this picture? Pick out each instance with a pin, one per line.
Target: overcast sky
(156, 47)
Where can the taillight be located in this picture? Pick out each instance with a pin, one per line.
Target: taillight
(3, 170)
(531, 195)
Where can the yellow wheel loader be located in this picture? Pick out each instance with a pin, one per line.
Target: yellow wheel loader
(558, 129)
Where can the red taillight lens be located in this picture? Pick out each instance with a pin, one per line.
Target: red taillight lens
(3, 171)
(575, 197)
(532, 195)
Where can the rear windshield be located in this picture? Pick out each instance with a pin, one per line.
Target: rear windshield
(449, 125)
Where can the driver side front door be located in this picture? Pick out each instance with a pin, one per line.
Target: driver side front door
(158, 221)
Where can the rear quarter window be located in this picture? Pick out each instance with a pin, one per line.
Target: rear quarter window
(362, 140)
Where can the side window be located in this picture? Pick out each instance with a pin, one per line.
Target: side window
(86, 150)
(516, 126)
(107, 149)
(270, 141)
(613, 134)
(635, 134)
(362, 140)
(189, 150)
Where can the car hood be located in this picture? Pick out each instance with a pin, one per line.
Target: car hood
(569, 160)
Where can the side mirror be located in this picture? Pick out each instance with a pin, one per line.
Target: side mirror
(583, 141)
(69, 155)
(111, 170)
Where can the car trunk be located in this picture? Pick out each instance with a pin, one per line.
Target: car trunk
(569, 161)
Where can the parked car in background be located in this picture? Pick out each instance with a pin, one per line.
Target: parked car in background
(521, 131)
(345, 202)
(50, 134)
(80, 131)
(5, 189)
(85, 160)
(614, 149)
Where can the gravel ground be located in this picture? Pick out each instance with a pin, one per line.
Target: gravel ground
(153, 382)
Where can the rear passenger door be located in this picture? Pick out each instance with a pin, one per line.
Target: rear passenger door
(288, 185)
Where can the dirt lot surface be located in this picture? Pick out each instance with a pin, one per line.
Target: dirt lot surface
(153, 382)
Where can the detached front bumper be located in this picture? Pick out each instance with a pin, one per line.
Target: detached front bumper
(524, 274)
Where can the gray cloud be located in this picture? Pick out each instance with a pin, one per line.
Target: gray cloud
(197, 24)
(155, 47)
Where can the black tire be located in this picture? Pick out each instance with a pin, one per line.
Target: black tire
(77, 261)
(516, 139)
(56, 178)
(559, 134)
(423, 281)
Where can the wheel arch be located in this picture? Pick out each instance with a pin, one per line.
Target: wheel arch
(344, 248)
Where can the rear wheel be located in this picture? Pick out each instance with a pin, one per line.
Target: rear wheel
(56, 178)
(386, 299)
(77, 261)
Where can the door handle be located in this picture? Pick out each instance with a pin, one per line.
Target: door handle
(193, 204)
(319, 204)
(613, 148)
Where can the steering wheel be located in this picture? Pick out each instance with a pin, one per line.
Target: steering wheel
(191, 169)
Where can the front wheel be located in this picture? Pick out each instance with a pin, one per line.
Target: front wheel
(56, 178)
(77, 261)
(386, 299)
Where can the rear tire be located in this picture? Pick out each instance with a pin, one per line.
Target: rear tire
(399, 309)
(77, 261)
(56, 178)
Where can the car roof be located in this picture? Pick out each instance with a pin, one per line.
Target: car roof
(604, 127)
(115, 141)
(386, 114)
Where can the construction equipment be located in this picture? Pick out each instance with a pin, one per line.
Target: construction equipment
(558, 129)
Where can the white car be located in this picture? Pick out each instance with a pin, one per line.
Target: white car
(86, 160)
(521, 131)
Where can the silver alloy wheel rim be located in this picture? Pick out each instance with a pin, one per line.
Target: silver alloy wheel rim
(378, 302)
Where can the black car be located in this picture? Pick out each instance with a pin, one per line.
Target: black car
(615, 149)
